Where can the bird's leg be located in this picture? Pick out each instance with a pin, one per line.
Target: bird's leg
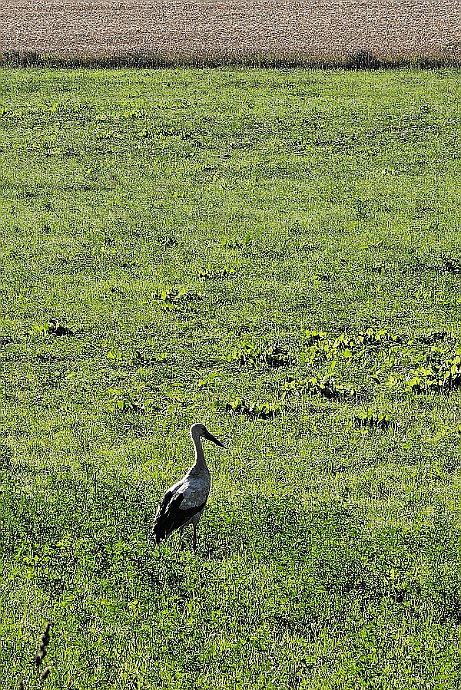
(194, 538)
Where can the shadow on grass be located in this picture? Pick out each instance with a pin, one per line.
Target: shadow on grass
(73, 530)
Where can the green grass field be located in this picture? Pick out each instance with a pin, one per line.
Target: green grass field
(275, 254)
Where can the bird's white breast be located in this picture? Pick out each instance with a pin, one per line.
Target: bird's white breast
(195, 491)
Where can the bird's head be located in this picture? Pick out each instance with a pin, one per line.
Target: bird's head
(198, 430)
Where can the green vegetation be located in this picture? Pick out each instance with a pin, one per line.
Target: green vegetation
(275, 254)
(142, 59)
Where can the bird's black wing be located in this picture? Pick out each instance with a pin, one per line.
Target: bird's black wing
(164, 504)
(171, 517)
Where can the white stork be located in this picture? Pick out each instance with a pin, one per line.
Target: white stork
(184, 502)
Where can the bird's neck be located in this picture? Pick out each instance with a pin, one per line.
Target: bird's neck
(200, 463)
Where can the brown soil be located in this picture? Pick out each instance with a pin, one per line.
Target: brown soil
(391, 29)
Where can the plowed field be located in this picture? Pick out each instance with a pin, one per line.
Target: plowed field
(239, 28)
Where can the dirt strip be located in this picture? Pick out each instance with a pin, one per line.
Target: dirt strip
(392, 28)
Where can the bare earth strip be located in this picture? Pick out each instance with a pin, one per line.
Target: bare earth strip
(236, 28)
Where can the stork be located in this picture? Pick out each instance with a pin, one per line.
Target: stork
(184, 502)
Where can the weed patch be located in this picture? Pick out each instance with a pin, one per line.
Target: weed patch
(441, 373)
(259, 410)
(135, 359)
(229, 243)
(210, 274)
(325, 387)
(174, 300)
(248, 353)
(451, 264)
(51, 327)
(372, 420)
(123, 402)
(319, 347)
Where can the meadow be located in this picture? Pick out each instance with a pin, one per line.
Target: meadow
(275, 254)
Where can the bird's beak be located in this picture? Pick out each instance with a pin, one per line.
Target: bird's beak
(210, 437)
